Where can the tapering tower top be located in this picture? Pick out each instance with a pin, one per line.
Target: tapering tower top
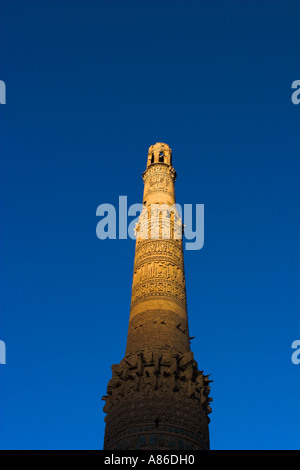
(159, 176)
(158, 301)
(159, 153)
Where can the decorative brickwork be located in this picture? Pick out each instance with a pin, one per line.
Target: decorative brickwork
(157, 390)
(157, 329)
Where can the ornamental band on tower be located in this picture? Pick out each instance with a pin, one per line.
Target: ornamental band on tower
(157, 399)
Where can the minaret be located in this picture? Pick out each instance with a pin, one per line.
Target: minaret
(157, 398)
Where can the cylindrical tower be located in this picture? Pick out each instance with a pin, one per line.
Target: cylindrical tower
(157, 398)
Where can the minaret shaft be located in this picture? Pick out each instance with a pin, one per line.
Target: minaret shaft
(158, 315)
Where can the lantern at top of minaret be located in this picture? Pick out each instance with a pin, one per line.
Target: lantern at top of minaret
(159, 177)
(159, 153)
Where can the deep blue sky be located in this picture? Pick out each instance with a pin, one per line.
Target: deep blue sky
(90, 86)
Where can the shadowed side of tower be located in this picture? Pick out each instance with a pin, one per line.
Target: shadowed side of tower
(157, 398)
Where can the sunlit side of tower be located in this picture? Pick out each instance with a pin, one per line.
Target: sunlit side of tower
(157, 398)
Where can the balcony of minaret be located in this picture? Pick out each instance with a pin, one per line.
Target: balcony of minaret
(159, 153)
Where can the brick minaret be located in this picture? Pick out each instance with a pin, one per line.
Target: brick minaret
(157, 398)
